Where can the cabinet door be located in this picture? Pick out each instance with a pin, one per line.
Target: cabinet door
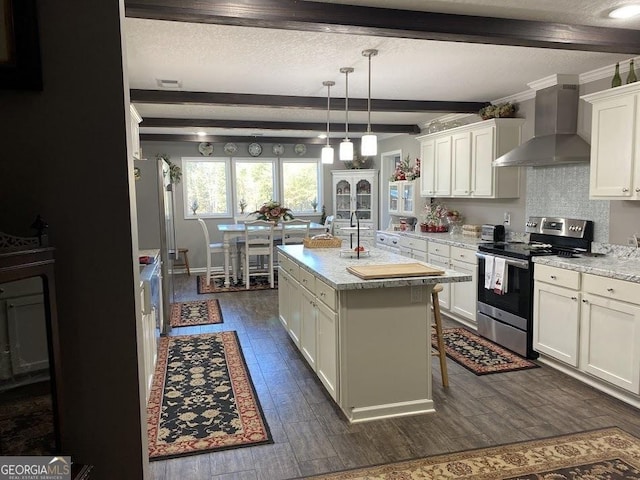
(613, 133)
(308, 327)
(342, 197)
(427, 167)
(464, 294)
(363, 199)
(556, 320)
(394, 197)
(445, 295)
(407, 198)
(283, 297)
(482, 154)
(461, 181)
(443, 167)
(295, 311)
(610, 341)
(327, 360)
(27, 334)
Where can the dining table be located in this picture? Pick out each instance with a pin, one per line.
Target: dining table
(231, 232)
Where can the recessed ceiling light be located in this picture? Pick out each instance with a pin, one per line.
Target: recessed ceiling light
(201, 133)
(626, 11)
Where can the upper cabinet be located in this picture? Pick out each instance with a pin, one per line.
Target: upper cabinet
(135, 132)
(355, 191)
(457, 162)
(615, 143)
(404, 198)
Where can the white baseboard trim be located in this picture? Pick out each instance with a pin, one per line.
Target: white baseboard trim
(390, 410)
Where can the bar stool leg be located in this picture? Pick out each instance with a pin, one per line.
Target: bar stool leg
(440, 340)
(186, 262)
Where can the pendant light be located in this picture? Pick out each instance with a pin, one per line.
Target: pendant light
(346, 147)
(327, 151)
(369, 142)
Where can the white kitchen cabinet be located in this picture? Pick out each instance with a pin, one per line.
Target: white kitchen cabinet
(309, 327)
(470, 150)
(556, 313)
(464, 294)
(355, 191)
(404, 198)
(438, 255)
(615, 143)
(327, 345)
(388, 241)
(135, 132)
(289, 301)
(149, 341)
(427, 166)
(610, 331)
(415, 248)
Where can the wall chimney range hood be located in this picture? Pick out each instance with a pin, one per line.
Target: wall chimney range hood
(555, 140)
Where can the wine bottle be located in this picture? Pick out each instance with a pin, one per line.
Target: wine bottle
(617, 80)
(631, 78)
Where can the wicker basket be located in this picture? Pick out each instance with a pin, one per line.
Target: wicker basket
(322, 242)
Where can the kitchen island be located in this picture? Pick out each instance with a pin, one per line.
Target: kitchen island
(367, 340)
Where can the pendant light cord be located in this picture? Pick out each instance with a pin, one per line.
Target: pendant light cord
(369, 100)
(328, 107)
(346, 106)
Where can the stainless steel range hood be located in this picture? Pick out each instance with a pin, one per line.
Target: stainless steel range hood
(556, 141)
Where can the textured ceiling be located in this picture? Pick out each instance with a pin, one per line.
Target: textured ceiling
(233, 59)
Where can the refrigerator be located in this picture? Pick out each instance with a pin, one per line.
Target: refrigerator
(156, 228)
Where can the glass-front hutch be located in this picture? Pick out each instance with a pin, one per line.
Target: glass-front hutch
(355, 194)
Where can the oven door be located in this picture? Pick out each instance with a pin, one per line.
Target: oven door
(517, 299)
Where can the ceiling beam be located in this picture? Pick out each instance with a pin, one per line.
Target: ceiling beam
(289, 101)
(359, 20)
(270, 125)
(167, 137)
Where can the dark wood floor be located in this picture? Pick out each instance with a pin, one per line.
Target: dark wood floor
(311, 437)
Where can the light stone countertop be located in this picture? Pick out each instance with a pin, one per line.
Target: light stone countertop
(445, 238)
(627, 269)
(328, 265)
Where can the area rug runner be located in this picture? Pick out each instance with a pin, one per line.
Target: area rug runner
(202, 398)
(606, 454)
(199, 312)
(480, 355)
(217, 285)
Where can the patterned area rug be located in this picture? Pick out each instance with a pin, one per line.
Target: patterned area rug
(607, 454)
(217, 285)
(202, 398)
(480, 355)
(200, 312)
(26, 427)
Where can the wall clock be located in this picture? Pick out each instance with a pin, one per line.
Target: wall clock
(205, 148)
(278, 149)
(255, 149)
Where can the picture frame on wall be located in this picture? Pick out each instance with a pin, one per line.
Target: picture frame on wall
(20, 66)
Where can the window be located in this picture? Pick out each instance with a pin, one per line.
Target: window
(254, 181)
(300, 185)
(206, 187)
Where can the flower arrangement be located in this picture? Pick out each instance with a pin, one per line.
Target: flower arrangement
(405, 171)
(175, 172)
(434, 217)
(502, 110)
(273, 212)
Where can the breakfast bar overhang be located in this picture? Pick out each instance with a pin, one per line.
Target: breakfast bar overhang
(367, 340)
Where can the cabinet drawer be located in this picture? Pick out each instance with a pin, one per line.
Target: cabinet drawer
(307, 280)
(419, 244)
(557, 276)
(463, 255)
(19, 288)
(611, 288)
(439, 249)
(288, 266)
(326, 294)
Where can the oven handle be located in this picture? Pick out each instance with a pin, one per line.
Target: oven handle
(509, 261)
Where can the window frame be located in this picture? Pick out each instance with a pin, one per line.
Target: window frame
(319, 172)
(185, 194)
(275, 178)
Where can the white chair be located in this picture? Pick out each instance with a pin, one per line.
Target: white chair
(211, 249)
(258, 241)
(328, 223)
(294, 230)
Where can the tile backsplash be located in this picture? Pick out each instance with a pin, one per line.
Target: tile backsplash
(563, 191)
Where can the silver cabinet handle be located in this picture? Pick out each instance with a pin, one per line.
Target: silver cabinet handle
(585, 301)
(322, 294)
(574, 298)
(610, 290)
(638, 189)
(553, 277)
(625, 189)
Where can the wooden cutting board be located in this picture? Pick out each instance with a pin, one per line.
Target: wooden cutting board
(393, 270)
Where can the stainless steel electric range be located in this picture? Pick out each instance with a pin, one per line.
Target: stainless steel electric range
(506, 318)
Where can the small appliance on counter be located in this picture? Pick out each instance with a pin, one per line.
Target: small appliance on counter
(492, 233)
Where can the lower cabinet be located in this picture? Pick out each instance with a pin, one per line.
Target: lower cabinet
(444, 297)
(307, 311)
(589, 322)
(415, 248)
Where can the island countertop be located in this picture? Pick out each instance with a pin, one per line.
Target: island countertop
(331, 267)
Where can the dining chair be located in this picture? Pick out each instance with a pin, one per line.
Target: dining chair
(211, 249)
(294, 230)
(328, 223)
(258, 241)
